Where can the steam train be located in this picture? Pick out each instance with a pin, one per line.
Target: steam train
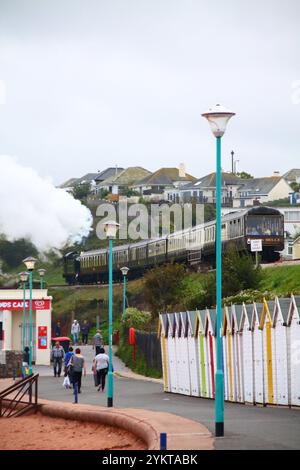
(191, 246)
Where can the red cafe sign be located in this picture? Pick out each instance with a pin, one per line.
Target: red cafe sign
(18, 304)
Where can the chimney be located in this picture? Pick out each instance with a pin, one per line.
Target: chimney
(182, 170)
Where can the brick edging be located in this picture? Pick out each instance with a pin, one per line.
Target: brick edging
(139, 428)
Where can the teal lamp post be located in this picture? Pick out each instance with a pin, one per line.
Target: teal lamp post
(218, 117)
(111, 228)
(30, 263)
(42, 275)
(24, 278)
(124, 271)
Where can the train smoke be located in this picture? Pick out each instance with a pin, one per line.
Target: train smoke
(31, 207)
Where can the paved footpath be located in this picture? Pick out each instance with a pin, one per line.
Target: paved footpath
(246, 427)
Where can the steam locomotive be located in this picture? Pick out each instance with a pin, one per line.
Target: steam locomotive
(191, 246)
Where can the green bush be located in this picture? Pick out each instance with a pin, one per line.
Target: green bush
(137, 319)
(162, 287)
(239, 272)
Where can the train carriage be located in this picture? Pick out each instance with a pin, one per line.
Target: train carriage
(191, 246)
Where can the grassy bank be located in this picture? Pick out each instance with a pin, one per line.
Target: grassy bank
(281, 280)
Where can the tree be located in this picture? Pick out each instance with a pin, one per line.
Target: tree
(244, 175)
(238, 272)
(295, 186)
(162, 287)
(12, 253)
(209, 212)
(81, 190)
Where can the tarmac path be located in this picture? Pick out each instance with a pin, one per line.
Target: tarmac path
(246, 426)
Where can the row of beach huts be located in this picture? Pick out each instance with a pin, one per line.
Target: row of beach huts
(261, 352)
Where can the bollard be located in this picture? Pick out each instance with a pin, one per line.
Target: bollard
(75, 388)
(163, 441)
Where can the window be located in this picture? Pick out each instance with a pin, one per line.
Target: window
(264, 225)
(292, 216)
(290, 248)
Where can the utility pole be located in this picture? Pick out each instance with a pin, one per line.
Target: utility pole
(232, 162)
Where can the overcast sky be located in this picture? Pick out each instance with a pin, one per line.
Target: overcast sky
(95, 83)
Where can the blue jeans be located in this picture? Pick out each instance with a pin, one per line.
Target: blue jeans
(75, 338)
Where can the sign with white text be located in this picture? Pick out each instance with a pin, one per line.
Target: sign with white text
(256, 245)
(18, 304)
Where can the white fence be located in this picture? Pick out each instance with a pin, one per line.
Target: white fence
(260, 346)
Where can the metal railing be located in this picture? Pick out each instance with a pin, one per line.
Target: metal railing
(13, 399)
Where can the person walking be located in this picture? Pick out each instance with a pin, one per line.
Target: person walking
(97, 342)
(77, 365)
(100, 363)
(85, 328)
(57, 330)
(68, 356)
(57, 356)
(75, 330)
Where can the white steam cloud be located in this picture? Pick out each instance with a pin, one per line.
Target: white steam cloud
(31, 207)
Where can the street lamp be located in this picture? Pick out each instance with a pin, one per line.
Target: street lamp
(30, 263)
(124, 271)
(42, 274)
(111, 228)
(218, 118)
(24, 277)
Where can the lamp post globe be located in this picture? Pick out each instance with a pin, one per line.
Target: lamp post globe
(218, 117)
(23, 276)
(124, 271)
(111, 227)
(30, 263)
(41, 272)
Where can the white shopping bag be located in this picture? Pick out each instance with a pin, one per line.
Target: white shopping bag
(66, 382)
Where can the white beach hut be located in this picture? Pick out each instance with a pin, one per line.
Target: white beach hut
(246, 345)
(236, 317)
(203, 354)
(211, 349)
(294, 350)
(269, 362)
(171, 351)
(281, 343)
(193, 351)
(258, 356)
(228, 356)
(184, 352)
(225, 332)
